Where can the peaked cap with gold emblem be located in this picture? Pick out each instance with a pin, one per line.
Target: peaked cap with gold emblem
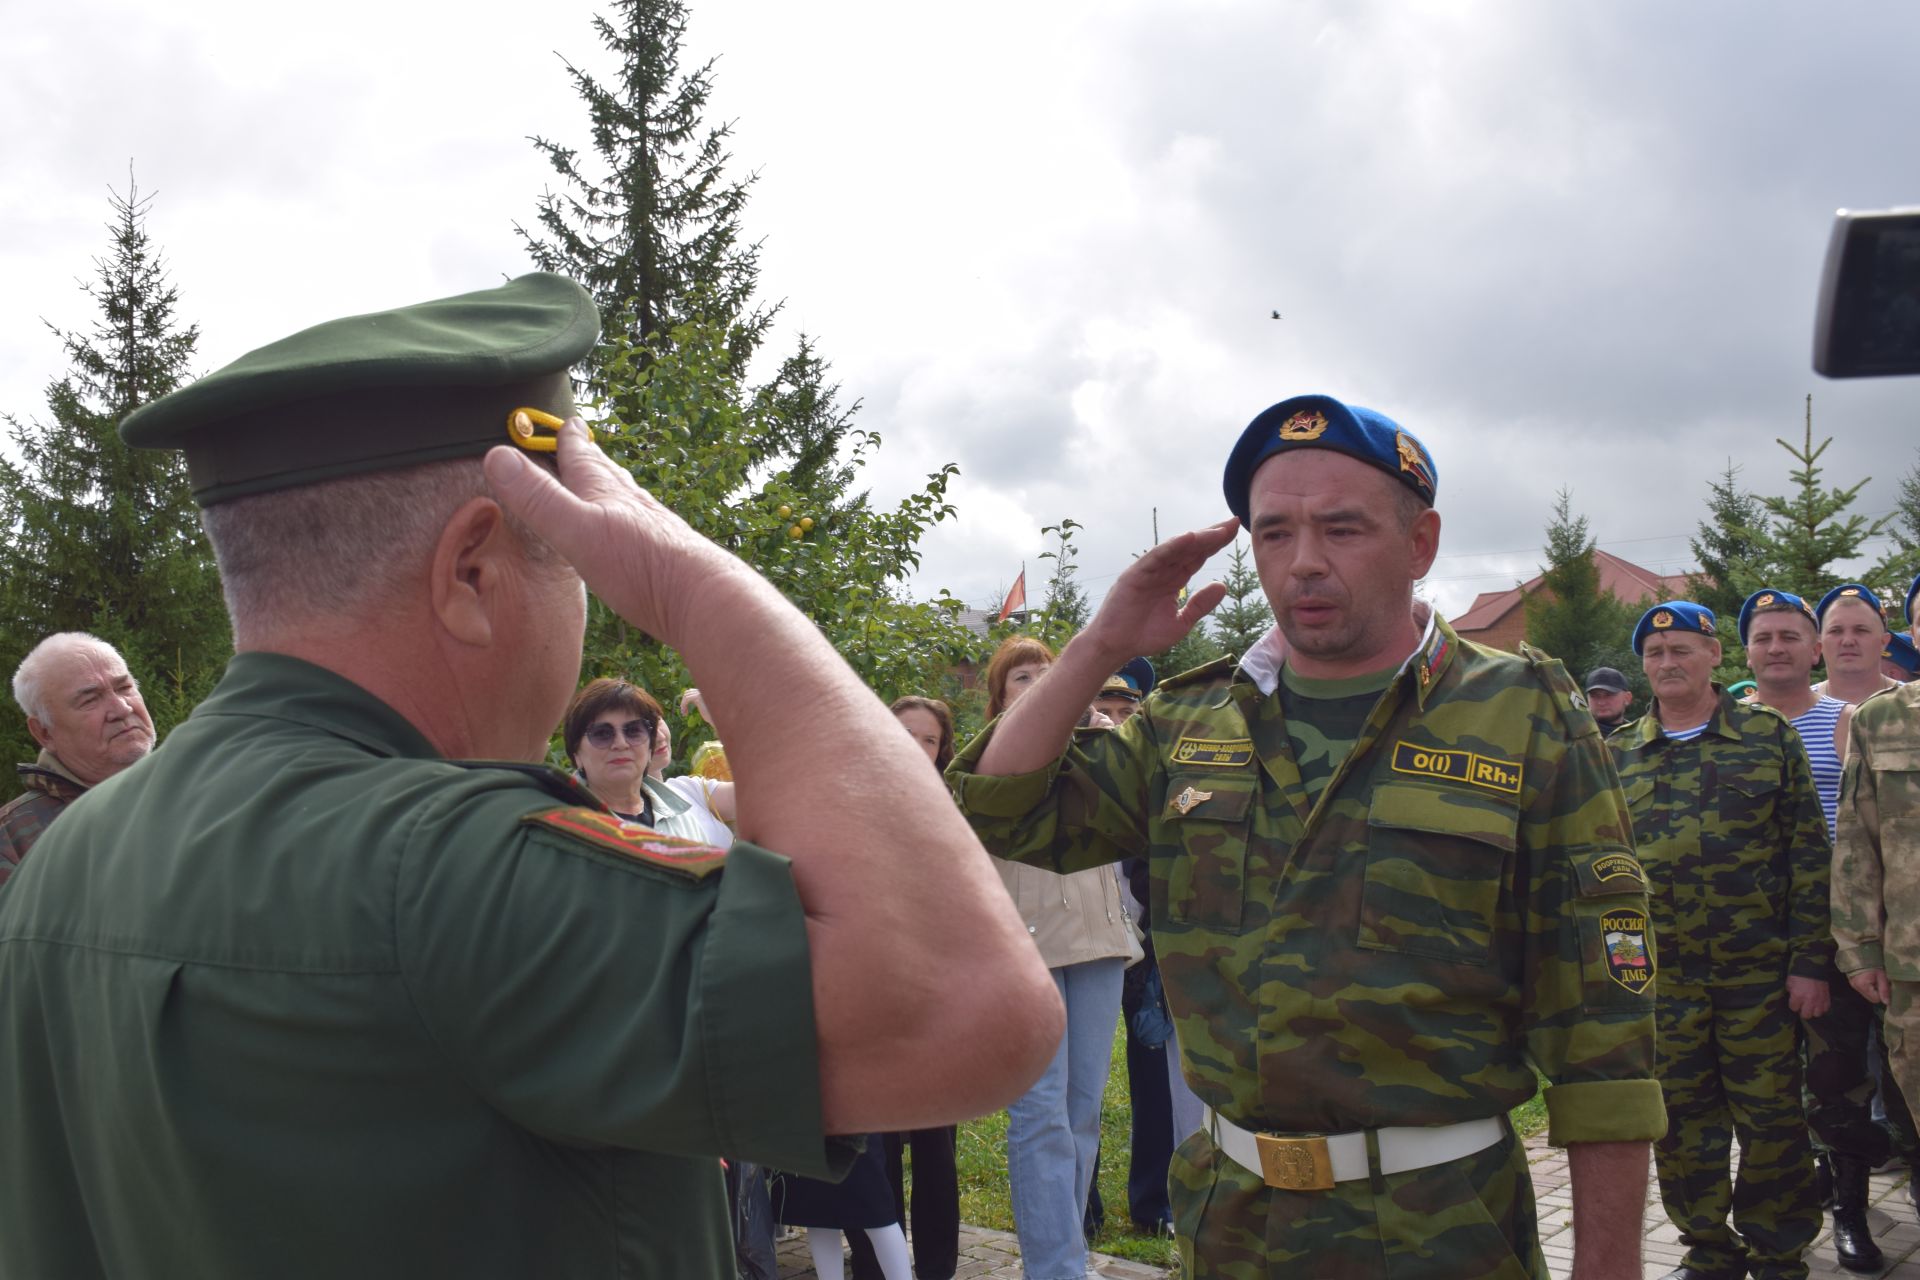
(1321, 422)
(1674, 615)
(376, 392)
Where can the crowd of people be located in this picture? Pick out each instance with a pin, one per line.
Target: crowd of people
(342, 980)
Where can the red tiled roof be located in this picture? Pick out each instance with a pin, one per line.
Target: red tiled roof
(1629, 583)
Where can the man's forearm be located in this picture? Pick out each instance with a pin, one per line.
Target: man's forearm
(1032, 734)
(1609, 1208)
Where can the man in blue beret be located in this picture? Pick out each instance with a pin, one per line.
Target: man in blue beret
(1782, 643)
(1899, 661)
(1853, 631)
(1727, 823)
(1390, 875)
(342, 982)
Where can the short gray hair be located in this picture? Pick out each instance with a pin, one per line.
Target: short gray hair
(30, 678)
(340, 546)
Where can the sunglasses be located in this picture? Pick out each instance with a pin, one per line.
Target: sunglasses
(638, 732)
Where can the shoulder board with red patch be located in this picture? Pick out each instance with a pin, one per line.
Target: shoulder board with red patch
(689, 859)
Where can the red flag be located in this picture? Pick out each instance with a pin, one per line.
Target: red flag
(1016, 597)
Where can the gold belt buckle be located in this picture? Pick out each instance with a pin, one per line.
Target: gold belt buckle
(1295, 1164)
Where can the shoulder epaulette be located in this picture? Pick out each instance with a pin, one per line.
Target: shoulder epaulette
(1205, 671)
(609, 833)
(1566, 694)
(559, 785)
(1877, 693)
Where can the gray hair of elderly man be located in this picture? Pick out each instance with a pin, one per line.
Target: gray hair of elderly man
(30, 677)
(340, 547)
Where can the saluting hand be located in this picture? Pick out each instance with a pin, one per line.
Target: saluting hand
(1142, 612)
(633, 552)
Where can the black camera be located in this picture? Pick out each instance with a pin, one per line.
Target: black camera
(1869, 319)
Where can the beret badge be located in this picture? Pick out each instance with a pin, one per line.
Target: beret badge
(1412, 460)
(1662, 620)
(1763, 601)
(1304, 425)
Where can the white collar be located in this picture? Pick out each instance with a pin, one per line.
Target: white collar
(1263, 661)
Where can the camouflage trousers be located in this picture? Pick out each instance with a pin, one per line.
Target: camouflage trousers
(1901, 1030)
(1840, 1084)
(1467, 1219)
(1729, 1066)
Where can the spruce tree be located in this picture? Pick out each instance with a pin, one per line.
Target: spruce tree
(100, 537)
(1897, 568)
(1244, 615)
(1807, 532)
(1570, 617)
(1727, 546)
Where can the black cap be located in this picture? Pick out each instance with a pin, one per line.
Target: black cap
(1609, 679)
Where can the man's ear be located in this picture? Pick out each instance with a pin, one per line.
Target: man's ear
(41, 733)
(1425, 540)
(469, 569)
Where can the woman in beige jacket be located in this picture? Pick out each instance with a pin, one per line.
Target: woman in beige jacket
(1088, 939)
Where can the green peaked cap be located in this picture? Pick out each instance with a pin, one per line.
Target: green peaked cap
(376, 392)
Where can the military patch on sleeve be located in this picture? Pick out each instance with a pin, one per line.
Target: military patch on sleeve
(1618, 866)
(1222, 751)
(1629, 959)
(1459, 766)
(681, 857)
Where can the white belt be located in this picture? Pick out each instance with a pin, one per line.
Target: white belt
(1314, 1162)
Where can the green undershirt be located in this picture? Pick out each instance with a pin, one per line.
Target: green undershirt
(1324, 718)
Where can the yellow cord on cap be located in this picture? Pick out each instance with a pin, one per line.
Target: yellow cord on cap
(523, 428)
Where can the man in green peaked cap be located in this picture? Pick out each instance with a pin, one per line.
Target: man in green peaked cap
(341, 983)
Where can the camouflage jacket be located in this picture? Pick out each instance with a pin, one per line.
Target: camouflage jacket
(49, 789)
(1879, 831)
(1400, 951)
(1734, 842)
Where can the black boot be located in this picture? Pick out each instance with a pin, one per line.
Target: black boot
(1851, 1239)
(1822, 1180)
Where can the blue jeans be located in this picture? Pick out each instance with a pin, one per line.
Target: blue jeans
(1053, 1130)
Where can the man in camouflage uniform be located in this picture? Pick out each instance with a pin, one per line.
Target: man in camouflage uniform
(1390, 874)
(1876, 873)
(1728, 825)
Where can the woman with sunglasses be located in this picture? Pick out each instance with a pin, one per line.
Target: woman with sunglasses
(609, 734)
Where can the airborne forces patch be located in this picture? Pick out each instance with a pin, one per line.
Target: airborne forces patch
(1623, 934)
(1222, 751)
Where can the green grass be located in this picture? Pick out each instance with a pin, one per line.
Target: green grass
(982, 1160)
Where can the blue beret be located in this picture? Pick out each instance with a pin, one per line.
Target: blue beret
(1139, 676)
(1849, 591)
(1768, 598)
(1900, 651)
(1913, 590)
(1674, 615)
(1321, 422)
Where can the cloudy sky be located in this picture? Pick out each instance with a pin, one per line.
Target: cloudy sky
(1568, 245)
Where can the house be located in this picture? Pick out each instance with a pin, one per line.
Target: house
(1498, 619)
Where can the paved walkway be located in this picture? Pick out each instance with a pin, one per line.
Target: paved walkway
(986, 1254)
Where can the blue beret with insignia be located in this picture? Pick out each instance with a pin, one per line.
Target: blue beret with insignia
(1849, 591)
(1321, 422)
(1913, 592)
(1674, 615)
(1771, 600)
(1138, 673)
(1901, 653)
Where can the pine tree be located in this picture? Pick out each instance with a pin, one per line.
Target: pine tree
(652, 228)
(1244, 615)
(1897, 568)
(649, 221)
(1569, 616)
(1727, 547)
(99, 537)
(1807, 532)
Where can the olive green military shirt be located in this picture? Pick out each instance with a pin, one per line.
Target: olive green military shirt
(294, 997)
(1459, 903)
(1876, 865)
(1729, 828)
